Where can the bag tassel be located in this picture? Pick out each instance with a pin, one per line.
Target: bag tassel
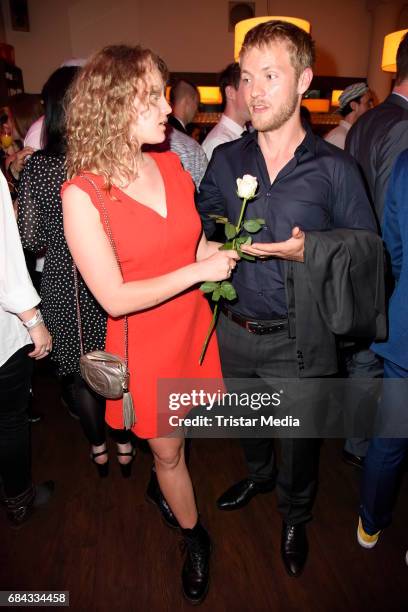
(129, 416)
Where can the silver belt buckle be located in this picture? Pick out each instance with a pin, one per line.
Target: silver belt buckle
(256, 327)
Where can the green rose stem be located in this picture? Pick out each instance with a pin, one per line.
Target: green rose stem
(210, 331)
(215, 311)
(238, 226)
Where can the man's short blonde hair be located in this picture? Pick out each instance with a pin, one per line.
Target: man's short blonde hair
(300, 44)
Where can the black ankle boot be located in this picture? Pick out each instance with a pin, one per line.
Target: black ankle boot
(20, 508)
(156, 497)
(196, 569)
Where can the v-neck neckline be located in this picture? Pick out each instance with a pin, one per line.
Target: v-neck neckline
(154, 158)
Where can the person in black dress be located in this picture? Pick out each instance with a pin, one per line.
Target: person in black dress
(41, 227)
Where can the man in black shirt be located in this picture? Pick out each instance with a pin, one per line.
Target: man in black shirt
(304, 184)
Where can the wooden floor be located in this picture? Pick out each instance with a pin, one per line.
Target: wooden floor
(101, 541)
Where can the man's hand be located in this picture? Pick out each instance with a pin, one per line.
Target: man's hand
(292, 249)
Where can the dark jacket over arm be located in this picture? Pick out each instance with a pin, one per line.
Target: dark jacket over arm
(337, 291)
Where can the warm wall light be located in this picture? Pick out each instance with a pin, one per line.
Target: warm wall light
(242, 27)
(389, 56)
(336, 93)
(210, 95)
(317, 105)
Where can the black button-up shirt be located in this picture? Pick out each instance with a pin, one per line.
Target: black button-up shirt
(320, 188)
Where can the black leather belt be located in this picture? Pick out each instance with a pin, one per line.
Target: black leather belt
(257, 327)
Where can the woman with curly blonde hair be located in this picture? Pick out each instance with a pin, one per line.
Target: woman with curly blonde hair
(116, 106)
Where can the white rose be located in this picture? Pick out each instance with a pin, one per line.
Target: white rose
(247, 186)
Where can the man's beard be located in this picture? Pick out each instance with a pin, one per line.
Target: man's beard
(279, 118)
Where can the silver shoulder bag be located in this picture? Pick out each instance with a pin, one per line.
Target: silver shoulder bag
(106, 373)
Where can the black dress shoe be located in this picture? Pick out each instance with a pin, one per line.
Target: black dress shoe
(294, 548)
(354, 460)
(195, 576)
(241, 493)
(156, 497)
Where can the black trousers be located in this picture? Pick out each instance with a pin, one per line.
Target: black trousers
(15, 451)
(247, 355)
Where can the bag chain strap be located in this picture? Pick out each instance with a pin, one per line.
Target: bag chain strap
(110, 236)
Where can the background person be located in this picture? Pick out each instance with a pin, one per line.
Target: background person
(41, 227)
(354, 101)
(386, 453)
(375, 140)
(184, 100)
(23, 110)
(21, 327)
(381, 134)
(235, 110)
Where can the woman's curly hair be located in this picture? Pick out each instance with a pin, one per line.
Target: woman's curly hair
(100, 111)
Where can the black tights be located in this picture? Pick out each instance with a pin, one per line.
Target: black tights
(91, 412)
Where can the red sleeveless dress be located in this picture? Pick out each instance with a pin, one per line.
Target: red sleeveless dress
(165, 341)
